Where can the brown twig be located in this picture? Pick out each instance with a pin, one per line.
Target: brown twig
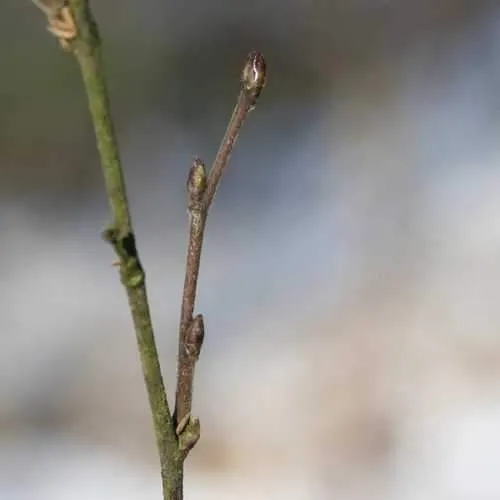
(187, 352)
(201, 192)
(253, 80)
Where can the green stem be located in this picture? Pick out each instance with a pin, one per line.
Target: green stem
(87, 50)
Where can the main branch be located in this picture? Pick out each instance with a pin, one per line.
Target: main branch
(87, 50)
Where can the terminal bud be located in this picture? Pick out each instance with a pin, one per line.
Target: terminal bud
(253, 76)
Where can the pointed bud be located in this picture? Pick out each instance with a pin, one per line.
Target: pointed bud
(253, 76)
(194, 336)
(197, 181)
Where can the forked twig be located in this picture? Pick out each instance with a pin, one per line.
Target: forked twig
(201, 192)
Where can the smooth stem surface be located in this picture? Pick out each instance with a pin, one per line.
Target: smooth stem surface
(221, 161)
(184, 392)
(253, 80)
(86, 48)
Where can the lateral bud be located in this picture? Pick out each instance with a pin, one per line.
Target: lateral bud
(197, 181)
(194, 337)
(254, 75)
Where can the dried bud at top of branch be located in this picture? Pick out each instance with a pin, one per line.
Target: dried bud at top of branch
(197, 181)
(253, 76)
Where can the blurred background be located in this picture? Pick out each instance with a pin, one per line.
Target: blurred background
(351, 271)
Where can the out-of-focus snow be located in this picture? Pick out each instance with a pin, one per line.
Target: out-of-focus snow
(352, 345)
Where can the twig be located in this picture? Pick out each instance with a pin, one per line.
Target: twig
(196, 186)
(87, 50)
(201, 192)
(253, 80)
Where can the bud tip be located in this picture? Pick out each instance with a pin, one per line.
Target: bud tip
(197, 180)
(253, 76)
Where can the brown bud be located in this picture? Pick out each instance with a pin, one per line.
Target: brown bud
(194, 336)
(253, 76)
(197, 181)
